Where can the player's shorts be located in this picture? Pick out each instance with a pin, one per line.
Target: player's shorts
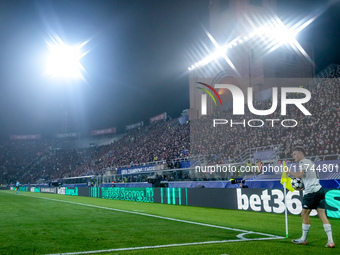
(314, 200)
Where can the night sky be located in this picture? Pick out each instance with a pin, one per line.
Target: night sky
(136, 66)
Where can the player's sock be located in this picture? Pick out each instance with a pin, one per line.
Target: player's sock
(328, 230)
(305, 229)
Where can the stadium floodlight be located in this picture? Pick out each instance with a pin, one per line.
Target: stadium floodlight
(283, 35)
(274, 34)
(64, 60)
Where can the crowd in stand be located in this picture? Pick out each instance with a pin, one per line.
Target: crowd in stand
(17, 156)
(319, 132)
(158, 142)
(164, 141)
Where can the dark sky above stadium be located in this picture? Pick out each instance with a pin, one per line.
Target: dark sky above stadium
(136, 67)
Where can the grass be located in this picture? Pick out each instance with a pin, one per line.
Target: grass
(31, 225)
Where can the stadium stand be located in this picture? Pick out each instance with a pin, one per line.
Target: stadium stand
(47, 160)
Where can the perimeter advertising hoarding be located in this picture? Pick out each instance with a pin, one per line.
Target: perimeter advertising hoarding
(258, 200)
(68, 135)
(48, 190)
(104, 131)
(25, 137)
(161, 116)
(135, 169)
(76, 191)
(173, 196)
(129, 194)
(136, 125)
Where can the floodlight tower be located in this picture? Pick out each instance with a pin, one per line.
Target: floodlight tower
(252, 45)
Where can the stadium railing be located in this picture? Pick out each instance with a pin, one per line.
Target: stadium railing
(248, 154)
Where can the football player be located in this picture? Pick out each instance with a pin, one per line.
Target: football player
(314, 197)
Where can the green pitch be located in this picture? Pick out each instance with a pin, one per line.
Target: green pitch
(36, 223)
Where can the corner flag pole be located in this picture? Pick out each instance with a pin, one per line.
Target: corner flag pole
(286, 213)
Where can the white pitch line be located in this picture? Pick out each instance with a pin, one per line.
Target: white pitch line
(156, 216)
(166, 245)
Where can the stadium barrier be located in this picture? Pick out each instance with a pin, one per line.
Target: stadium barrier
(257, 200)
(264, 183)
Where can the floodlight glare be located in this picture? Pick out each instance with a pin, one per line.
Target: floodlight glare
(284, 35)
(274, 34)
(219, 52)
(64, 60)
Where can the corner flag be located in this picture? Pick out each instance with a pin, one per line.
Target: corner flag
(286, 182)
(285, 178)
